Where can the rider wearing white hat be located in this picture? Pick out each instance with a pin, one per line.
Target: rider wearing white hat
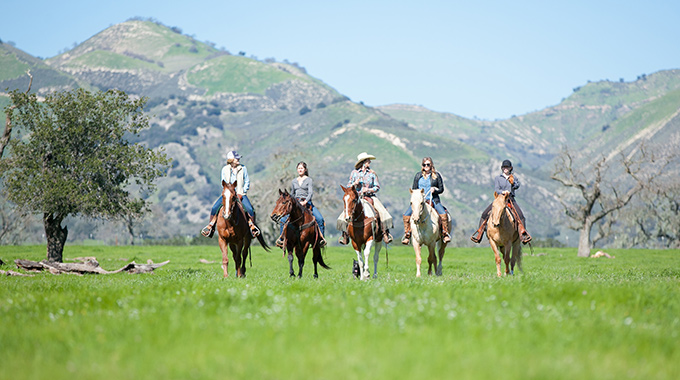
(234, 172)
(365, 180)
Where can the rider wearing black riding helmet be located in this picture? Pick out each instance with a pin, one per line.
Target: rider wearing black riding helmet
(504, 182)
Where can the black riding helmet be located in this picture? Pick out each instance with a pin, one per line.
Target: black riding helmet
(506, 164)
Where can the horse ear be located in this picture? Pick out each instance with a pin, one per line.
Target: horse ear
(410, 190)
(343, 188)
(422, 191)
(280, 192)
(224, 184)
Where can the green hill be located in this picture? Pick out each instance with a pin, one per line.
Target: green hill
(204, 102)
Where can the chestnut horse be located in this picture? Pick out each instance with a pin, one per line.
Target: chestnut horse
(362, 229)
(425, 231)
(503, 235)
(233, 231)
(300, 232)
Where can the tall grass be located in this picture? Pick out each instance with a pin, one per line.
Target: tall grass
(563, 318)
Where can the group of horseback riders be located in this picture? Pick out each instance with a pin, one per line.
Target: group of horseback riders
(365, 181)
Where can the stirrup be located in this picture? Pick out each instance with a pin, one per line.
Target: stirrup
(406, 240)
(476, 239)
(446, 238)
(343, 239)
(322, 242)
(279, 242)
(525, 238)
(254, 230)
(387, 238)
(208, 230)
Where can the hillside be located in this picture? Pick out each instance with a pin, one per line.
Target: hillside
(204, 102)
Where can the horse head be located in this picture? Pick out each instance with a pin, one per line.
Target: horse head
(350, 200)
(417, 204)
(229, 199)
(283, 206)
(498, 208)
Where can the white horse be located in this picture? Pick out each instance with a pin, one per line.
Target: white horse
(425, 231)
(362, 230)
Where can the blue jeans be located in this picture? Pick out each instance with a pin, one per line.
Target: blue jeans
(437, 206)
(246, 205)
(317, 216)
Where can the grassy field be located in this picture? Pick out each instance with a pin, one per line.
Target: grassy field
(563, 318)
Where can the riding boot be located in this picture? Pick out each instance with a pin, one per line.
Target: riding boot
(322, 240)
(407, 230)
(209, 230)
(344, 239)
(387, 238)
(477, 236)
(444, 222)
(523, 234)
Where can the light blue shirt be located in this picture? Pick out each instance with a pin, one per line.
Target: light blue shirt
(230, 176)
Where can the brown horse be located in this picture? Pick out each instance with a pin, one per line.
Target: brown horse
(300, 232)
(233, 231)
(503, 235)
(362, 229)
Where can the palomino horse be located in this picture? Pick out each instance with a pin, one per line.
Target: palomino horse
(503, 235)
(362, 229)
(300, 232)
(425, 231)
(233, 231)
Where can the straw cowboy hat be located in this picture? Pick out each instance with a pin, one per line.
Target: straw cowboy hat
(363, 156)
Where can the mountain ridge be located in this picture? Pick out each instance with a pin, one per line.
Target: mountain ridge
(204, 101)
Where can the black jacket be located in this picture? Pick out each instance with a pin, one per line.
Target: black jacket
(438, 183)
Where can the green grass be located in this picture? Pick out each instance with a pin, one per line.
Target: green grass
(563, 318)
(235, 74)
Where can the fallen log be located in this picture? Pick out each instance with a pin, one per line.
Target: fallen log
(13, 273)
(89, 266)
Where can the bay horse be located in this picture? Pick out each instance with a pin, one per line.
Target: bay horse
(233, 231)
(362, 229)
(425, 230)
(503, 236)
(300, 232)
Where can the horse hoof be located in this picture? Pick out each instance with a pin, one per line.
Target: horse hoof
(316, 275)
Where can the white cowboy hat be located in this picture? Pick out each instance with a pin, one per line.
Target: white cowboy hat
(363, 156)
(233, 155)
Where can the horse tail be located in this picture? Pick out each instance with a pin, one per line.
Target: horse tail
(319, 258)
(262, 242)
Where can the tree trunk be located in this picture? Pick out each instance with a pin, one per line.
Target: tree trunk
(56, 237)
(584, 239)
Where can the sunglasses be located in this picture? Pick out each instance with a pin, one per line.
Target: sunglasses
(426, 165)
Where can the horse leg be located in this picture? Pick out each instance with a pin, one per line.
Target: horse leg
(224, 247)
(442, 251)
(494, 247)
(416, 248)
(244, 259)
(290, 263)
(300, 253)
(431, 259)
(367, 253)
(506, 258)
(378, 245)
(316, 253)
(236, 255)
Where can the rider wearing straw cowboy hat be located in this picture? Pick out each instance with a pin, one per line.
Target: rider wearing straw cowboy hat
(505, 182)
(365, 180)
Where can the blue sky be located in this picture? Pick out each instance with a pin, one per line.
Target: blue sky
(484, 59)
